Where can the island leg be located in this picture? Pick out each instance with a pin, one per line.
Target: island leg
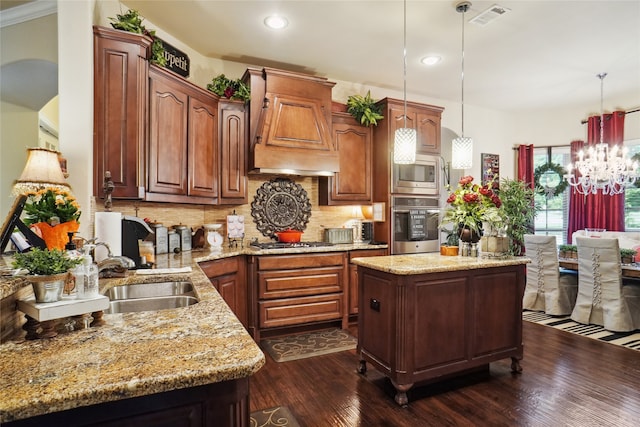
(515, 365)
(401, 393)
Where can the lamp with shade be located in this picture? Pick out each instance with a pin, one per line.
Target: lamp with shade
(41, 170)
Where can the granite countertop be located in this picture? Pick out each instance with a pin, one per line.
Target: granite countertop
(134, 354)
(405, 265)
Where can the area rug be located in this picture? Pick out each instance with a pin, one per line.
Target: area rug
(626, 339)
(310, 344)
(278, 416)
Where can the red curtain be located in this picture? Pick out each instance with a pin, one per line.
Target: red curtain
(598, 210)
(525, 164)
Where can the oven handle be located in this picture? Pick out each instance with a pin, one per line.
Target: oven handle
(403, 210)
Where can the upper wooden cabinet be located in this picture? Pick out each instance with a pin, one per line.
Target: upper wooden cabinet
(425, 119)
(183, 141)
(120, 111)
(352, 185)
(233, 150)
(162, 138)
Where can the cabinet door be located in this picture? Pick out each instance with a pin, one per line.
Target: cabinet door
(202, 146)
(232, 290)
(397, 120)
(428, 132)
(353, 182)
(120, 100)
(168, 111)
(233, 148)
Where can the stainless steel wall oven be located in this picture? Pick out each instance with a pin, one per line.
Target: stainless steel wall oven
(414, 224)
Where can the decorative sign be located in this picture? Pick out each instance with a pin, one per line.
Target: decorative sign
(177, 61)
(490, 164)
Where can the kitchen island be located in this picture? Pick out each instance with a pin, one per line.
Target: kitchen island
(427, 317)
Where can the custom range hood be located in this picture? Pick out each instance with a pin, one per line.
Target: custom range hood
(290, 124)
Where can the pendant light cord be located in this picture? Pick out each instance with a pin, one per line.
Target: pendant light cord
(462, 8)
(404, 53)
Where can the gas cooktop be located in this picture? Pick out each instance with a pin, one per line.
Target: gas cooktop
(281, 245)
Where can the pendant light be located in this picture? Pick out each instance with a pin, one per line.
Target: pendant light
(462, 148)
(404, 143)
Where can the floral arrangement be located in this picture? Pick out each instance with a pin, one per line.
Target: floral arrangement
(51, 205)
(472, 204)
(231, 89)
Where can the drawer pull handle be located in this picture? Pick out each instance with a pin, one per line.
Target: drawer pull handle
(374, 304)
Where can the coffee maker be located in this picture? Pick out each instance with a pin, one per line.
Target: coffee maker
(133, 229)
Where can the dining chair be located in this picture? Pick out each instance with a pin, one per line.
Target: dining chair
(603, 299)
(548, 288)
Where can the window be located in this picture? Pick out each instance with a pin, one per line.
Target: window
(552, 219)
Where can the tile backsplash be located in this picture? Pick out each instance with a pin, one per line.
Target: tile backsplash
(195, 215)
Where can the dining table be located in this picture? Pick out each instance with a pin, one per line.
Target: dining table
(629, 271)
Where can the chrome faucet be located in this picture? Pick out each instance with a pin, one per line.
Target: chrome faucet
(111, 266)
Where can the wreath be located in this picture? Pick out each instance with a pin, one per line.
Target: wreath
(544, 189)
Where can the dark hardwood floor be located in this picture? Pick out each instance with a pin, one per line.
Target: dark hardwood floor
(567, 380)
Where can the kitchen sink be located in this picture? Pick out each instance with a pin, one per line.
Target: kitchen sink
(150, 304)
(146, 290)
(137, 297)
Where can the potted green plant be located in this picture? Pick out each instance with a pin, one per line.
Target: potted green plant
(221, 85)
(364, 109)
(627, 256)
(572, 251)
(564, 251)
(132, 22)
(48, 271)
(450, 247)
(519, 210)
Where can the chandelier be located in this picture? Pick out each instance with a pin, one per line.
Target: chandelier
(605, 169)
(462, 147)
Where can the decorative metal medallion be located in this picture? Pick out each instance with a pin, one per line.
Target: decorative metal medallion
(280, 204)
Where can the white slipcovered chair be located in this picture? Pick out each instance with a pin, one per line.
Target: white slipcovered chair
(548, 288)
(602, 298)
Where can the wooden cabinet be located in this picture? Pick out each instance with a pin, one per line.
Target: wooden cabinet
(294, 290)
(228, 276)
(233, 149)
(425, 119)
(353, 276)
(221, 404)
(120, 107)
(424, 327)
(353, 184)
(183, 141)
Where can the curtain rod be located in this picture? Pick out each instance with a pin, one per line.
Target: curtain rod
(635, 110)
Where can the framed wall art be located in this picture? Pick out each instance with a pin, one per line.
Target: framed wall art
(490, 166)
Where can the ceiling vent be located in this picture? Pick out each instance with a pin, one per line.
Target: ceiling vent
(489, 15)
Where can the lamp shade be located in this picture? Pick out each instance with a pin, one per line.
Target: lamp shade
(42, 170)
(404, 146)
(461, 153)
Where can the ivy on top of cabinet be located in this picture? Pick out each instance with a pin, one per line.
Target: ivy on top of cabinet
(132, 22)
(221, 85)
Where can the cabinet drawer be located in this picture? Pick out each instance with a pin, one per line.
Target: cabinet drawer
(293, 311)
(285, 262)
(289, 283)
(220, 267)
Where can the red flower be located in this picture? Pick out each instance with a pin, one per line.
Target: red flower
(229, 91)
(465, 180)
(470, 197)
(451, 198)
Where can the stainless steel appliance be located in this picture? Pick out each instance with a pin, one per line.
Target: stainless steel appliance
(419, 178)
(414, 225)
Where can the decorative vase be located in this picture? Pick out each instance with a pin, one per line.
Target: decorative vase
(48, 288)
(467, 235)
(56, 237)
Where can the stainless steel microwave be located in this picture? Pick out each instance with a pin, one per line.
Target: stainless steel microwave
(419, 178)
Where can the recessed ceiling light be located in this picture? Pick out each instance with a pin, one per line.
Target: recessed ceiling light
(276, 22)
(431, 60)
